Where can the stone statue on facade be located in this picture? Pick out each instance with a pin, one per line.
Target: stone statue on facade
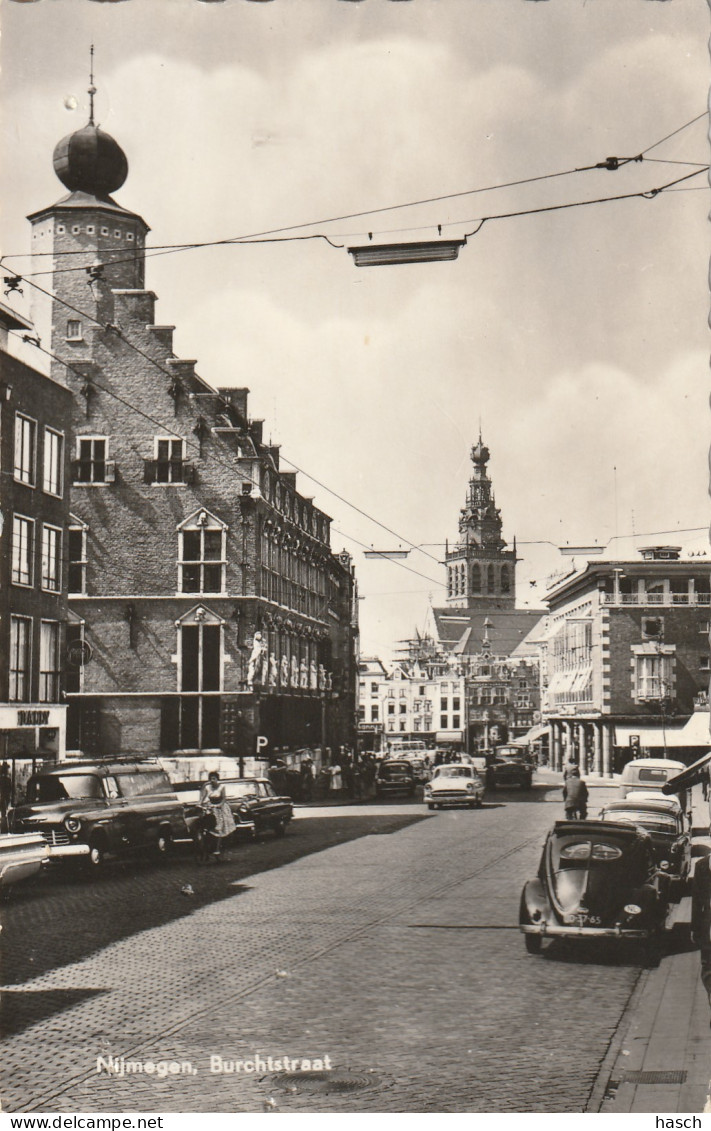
(273, 670)
(313, 676)
(294, 672)
(255, 669)
(321, 677)
(303, 674)
(284, 669)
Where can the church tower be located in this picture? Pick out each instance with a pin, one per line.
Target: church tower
(481, 571)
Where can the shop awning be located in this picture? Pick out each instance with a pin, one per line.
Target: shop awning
(694, 732)
(449, 736)
(534, 733)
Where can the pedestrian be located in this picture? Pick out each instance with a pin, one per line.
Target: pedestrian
(571, 769)
(701, 917)
(306, 771)
(213, 799)
(5, 790)
(575, 797)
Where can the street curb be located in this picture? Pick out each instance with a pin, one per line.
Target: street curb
(598, 1091)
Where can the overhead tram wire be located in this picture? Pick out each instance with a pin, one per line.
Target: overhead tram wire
(619, 163)
(193, 446)
(648, 194)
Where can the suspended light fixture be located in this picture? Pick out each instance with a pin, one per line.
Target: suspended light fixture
(389, 254)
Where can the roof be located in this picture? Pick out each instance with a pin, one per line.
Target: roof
(462, 630)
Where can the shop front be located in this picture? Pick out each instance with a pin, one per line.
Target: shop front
(30, 733)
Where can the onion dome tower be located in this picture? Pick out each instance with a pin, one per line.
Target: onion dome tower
(481, 571)
(87, 236)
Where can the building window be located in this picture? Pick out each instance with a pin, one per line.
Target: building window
(202, 560)
(403, 693)
(77, 559)
(443, 704)
(373, 689)
(74, 652)
(505, 579)
(422, 692)
(74, 331)
(23, 533)
(653, 628)
(653, 676)
(443, 722)
(455, 703)
(417, 724)
(705, 663)
(20, 652)
(91, 464)
(391, 708)
(51, 558)
(476, 578)
(455, 722)
(25, 449)
(169, 461)
(200, 664)
(491, 579)
(53, 479)
(391, 724)
(403, 708)
(374, 713)
(49, 662)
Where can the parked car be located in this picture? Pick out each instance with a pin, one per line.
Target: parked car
(649, 774)
(21, 855)
(510, 766)
(101, 809)
(255, 804)
(420, 769)
(596, 879)
(670, 831)
(395, 777)
(454, 784)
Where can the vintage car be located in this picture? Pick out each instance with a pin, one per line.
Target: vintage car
(454, 784)
(670, 831)
(648, 774)
(21, 855)
(510, 765)
(101, 809)
(395, 776)
(255, 805)
(420, 769)
(596, 879)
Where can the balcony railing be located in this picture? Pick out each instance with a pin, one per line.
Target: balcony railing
(646, 599)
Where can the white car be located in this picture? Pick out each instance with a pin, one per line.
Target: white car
(454, 784)
(648, 774)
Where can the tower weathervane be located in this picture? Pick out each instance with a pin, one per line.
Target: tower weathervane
(92, 89)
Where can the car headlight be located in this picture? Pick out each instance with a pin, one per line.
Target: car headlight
(72, 824)
(632, 909)
(243, 811)
(470, 787)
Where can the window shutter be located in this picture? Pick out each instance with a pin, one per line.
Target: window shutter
(149, 471)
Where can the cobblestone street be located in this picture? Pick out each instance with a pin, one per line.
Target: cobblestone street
(393, 950)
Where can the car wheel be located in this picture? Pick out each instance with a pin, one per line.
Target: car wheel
(479, 802)
(164, 842)
(533, 943)
(430, 804)
(279, 828)
(97, 856)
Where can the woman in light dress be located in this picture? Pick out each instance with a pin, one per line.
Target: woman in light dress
(213, 800)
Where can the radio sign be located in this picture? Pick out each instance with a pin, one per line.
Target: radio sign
(32, 718)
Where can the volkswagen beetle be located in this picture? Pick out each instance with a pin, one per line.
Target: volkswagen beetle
(596, 879)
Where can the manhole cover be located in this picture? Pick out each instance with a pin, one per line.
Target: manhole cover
(320, 1083)
(674, 1076)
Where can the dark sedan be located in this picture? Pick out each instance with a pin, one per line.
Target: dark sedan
(669, 829)
(596, 879)
(255, 805)
(396, 776)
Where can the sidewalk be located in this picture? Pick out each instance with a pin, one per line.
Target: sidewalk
(660, 1059)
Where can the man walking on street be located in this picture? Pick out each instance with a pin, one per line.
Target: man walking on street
(575, 797)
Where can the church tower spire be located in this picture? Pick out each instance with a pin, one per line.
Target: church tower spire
(481, 571)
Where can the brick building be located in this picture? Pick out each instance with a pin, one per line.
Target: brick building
(626, 660)
(208, 610)
(34, 424)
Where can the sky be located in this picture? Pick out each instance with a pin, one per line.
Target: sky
(576, 339)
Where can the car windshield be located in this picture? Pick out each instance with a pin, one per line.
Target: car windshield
(56, 787)
(395, 769)
(580, 851)
(139, 784)
(653, 822)
(237, 789)
(454, 772)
